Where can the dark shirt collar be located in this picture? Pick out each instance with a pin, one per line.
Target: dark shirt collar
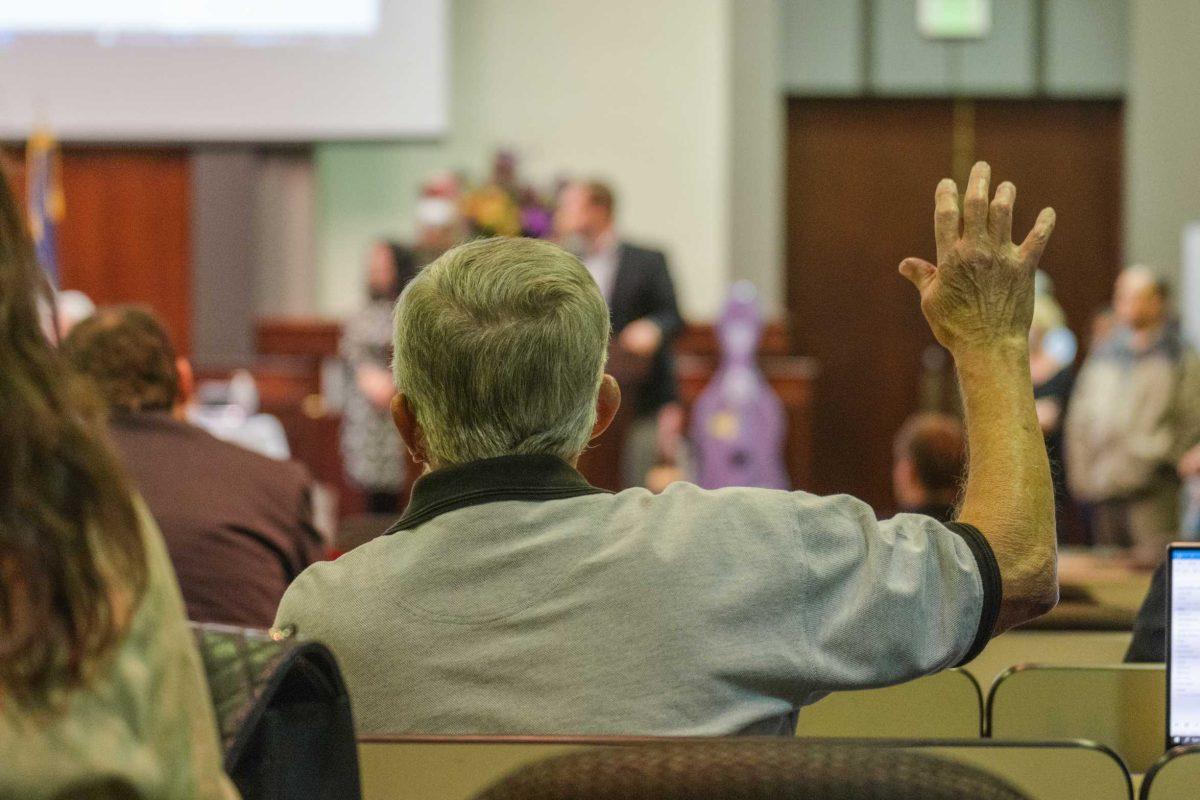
(492, 480)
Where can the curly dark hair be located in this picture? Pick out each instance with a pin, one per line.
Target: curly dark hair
(72, 559)
(126, 352)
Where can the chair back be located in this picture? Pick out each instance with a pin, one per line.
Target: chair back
(459, 768)
(948, 705)
(100, 789)
(283, 714)
(1175, 776)
(1060, 648)
(743, 769)
(1121, 706)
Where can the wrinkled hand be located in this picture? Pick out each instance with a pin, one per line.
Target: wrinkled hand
(980, 294)
(641, 337)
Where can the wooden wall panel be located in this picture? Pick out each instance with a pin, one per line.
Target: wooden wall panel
(1065, 154)
(126, 237)
(860, 186)
(861, 175)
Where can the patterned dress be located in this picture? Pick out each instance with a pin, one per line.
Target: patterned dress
(371, 446)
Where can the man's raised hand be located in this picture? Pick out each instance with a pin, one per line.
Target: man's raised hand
(980, 294)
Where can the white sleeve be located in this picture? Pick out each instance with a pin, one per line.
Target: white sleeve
(837, 599)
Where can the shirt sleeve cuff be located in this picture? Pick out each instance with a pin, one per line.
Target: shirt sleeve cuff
(989, 575)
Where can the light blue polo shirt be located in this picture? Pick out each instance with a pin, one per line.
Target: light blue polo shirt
(514, 598)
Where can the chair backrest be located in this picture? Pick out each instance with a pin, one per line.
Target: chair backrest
(100, 789)
(725, 769)
(283, 713)
(948, 705)
(458, 768)
(1121, 706)
(1061, 648)
(1175, 776)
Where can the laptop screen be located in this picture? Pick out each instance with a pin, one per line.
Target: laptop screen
(1183, 668)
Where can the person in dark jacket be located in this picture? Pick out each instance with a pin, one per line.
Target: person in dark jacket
(238, 525)
(636, 285)
(1149, 643)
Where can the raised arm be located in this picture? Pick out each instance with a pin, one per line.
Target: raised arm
(978, 301)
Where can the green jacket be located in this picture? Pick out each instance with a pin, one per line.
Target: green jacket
(146, 718)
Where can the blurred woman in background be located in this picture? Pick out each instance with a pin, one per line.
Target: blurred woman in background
(99, 678)
(1052, 367)
(371, 447)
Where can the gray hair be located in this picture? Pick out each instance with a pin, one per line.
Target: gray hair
(500, 348)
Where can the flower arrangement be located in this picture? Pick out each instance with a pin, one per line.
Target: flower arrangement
(503, 206)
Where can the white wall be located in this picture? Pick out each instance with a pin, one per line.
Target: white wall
(636, 92)
(1162, 145)
(756, 183)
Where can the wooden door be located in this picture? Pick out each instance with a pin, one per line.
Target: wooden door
(126, 237)
(860, 181)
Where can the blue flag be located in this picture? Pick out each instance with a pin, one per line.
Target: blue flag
(44, 196)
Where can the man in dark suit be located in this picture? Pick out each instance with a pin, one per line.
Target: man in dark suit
(238, 525)
(637, 286)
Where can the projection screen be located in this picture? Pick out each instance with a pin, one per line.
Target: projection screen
(224, 70)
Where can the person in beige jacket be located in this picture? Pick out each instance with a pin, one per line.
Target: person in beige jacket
(100, 682)
(1135, 410)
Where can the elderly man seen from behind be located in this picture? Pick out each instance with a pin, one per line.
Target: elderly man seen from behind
(512, 597)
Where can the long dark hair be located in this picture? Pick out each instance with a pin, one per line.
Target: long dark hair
(72, 562)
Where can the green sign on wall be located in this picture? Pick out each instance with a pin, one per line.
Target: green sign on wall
(954, 19)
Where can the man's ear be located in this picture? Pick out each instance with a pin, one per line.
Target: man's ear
(608, 401)
(410, 430)
(187, 382)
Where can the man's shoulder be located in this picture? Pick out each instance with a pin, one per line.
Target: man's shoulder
(324, 587)
(685, 507)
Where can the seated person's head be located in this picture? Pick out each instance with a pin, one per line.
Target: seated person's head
(127, 354)
(930, 459)
(1140, 298)
(500, 348)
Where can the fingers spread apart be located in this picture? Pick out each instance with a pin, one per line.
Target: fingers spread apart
(1035, 242)
(975, 203)
(945, 216)
(1001, 211)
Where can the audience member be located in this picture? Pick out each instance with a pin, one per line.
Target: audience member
(637, 287)
(1149, 641)
(513, 597)
(1053, 375)
(1134, 411)
(238, 525)
(371, 447)
(99, 678)
(930, 462)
